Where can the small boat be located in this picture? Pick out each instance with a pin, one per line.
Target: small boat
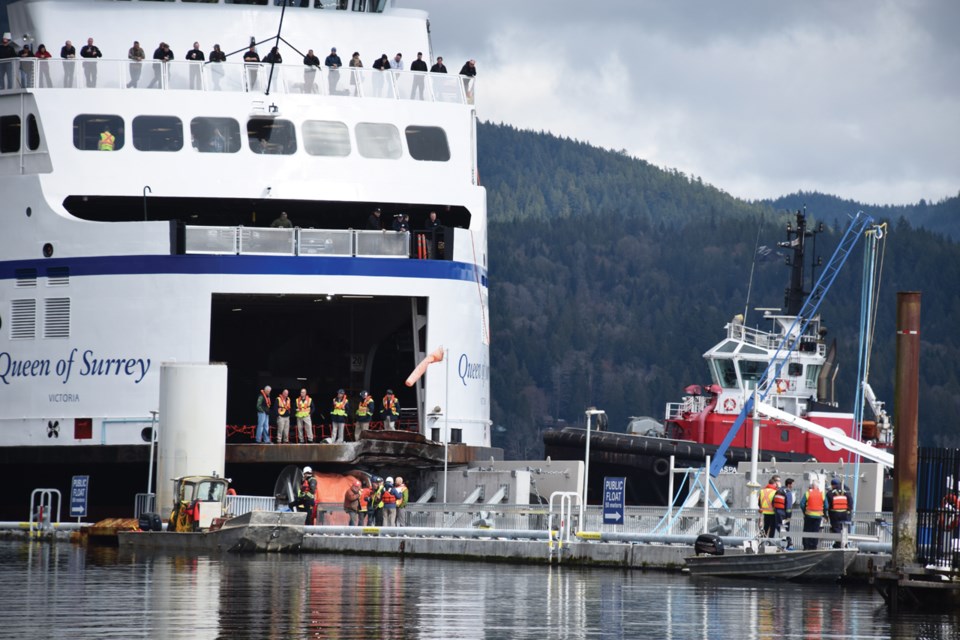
(816, 564)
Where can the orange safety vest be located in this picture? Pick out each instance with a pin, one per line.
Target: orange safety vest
(283, 405)
(340, 408)
(814, 503)
(390, 404)
(766, 499)
(389, 497)
(266, 397)
(303, 406)
(364, 409)
(365, 498)
(839, 502)
(107, 140)
(780, 500)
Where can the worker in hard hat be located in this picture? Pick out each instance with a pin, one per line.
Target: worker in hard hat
(338, 416)
(364, 414)
(351, 503)
(307, 497)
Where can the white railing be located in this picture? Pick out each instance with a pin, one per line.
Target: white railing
(31, 73)
(292, 242)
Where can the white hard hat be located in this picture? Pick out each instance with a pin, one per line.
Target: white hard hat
(390, 480)
(307, 470)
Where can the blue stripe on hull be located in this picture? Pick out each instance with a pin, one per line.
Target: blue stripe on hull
(250, 265)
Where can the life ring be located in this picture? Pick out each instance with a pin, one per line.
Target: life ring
(781, 385)
(950, 516)
(729, 404)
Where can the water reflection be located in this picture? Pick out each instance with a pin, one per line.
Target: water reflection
(67, 591)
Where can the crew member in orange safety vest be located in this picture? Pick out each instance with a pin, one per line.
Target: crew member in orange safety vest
(771, 525)
(304, 423)
(364, 413)
(839, 507)
(390, 411)
(338, 416)
(283, 417)
(812, 506)
(107, 140)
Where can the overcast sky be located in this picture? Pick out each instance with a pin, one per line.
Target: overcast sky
(857, 98)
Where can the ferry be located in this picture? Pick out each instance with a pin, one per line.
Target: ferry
(799, 383)
(140, 209)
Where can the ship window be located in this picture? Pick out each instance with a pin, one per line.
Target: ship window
(56, 318)
(794, 369)
(33, 133)
(23, 319)
(427, 143)
(87, 128)
(271, 136)
(727, 347)
(724, 373)
(157, 133)
(9, 134)
(752, 371)
(813, 372)
(378, 140)
(784, 435)
(752, 350)
(215, 135)
(326, 138)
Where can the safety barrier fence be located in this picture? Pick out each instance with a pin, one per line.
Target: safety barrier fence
(235, 77)
(938, 507)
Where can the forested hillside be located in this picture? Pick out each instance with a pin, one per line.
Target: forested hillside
(610, 278)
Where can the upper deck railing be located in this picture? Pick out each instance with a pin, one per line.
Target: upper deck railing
(235, 77)
(768, 340)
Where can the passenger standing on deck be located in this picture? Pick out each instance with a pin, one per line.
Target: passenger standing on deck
(7, 53)
(390, 497)
(373, 222)
(252, 58)
(90, 68)
(283, 417)
(418, 65)
(263, 416)
(195, 56)
(135, 54)
(333, 64)
(439, 67)
(43, 66)
(770, 524)
(310, 65)
(380, 64)
(364, 413)
(216, 72)
(839, 506)
(304, 424)
(338, 416)
(390, 411)
(164, 55)
(67, 52)
(355, 63)
(811, 503)
(788, 509)
(351, 503)
(467, 73)
(402, 501)
(307, 497)
(283, 222)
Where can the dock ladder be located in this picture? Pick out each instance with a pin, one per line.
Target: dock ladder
(42, 511)
(562, 534)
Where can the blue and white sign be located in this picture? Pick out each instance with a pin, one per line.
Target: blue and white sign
(613, 500)
(78, 496)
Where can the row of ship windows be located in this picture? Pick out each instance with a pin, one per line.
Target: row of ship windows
(105, 132)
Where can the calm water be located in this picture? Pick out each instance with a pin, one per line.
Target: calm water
(63, 591)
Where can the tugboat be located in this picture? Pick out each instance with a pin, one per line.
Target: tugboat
(696, 426)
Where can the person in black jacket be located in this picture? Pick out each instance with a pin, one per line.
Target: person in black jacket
(373, 222)
(7, 53)
(163, 54)
(468, 73)
(195, 55)
(90, 68)
(439, 67)
(68, 52)
(333, 64)
(418, 65)
(217, 71)
(311, 64)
